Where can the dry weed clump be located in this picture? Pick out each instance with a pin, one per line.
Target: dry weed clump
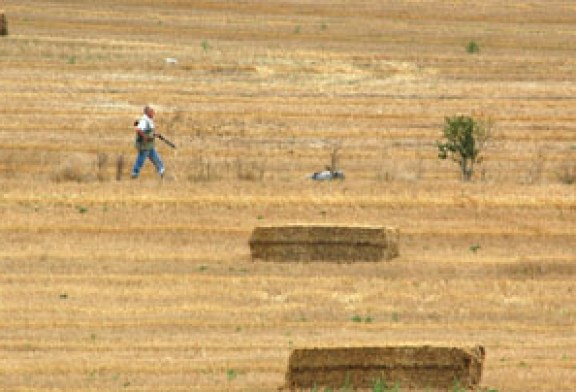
(531, 269)
(567, 173)
(9, 163)
(78, 167)
(250, 170)
(204, 169)
(536, 166)
(81, 167)
(3, 24)
(119, 166)
(101, 163)
(18, 163)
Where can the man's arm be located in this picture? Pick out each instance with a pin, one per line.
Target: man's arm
(143, 135)
(140, 132)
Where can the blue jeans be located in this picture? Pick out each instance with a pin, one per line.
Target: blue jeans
(141, 158)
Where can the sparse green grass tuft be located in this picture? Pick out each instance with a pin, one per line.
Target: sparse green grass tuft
(472, 47)
(381, 386)
(231, 374)
(457, 387)
(358, 319)
(205, 45)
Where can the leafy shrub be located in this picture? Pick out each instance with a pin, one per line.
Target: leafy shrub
(464, 139)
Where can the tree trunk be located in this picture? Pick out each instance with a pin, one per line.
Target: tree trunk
(467, 167)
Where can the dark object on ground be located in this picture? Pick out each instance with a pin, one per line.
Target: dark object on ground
(119, 166)
(3, 24)
(327, 175)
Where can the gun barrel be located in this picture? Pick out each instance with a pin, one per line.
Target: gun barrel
(168, 142)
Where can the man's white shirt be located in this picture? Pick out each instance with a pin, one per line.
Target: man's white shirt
(145, 123)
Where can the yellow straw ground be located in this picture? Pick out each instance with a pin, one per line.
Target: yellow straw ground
(148, 285)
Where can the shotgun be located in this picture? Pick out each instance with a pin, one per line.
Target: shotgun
(168, 142)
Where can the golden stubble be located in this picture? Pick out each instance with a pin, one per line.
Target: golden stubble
(149, 285)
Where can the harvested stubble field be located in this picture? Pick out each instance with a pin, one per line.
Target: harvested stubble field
(147, 285)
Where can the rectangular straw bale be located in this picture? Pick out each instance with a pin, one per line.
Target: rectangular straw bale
(413, 368)
(324, 243)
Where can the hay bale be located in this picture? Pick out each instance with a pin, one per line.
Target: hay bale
(324, 243)
(412, 368)
(3, 24)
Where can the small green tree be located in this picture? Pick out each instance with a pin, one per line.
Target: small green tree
(464, 139)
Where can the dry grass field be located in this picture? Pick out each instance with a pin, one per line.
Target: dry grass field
(148, 285)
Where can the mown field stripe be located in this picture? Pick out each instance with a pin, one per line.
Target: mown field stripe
(518, 201)
(232, 230)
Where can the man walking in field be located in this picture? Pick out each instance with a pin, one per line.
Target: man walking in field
(145, 143)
